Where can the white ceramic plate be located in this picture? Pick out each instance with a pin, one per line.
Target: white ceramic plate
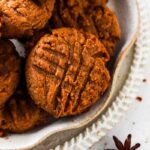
(127, 94)
(127, 13)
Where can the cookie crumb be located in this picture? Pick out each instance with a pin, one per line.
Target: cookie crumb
(144, 80)
(6, 137)
(139, 98)
(105, 144)
(2, 133)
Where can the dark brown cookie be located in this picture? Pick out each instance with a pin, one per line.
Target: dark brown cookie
(66, 72)
(20, 18)
(9, 70)
(90, 17)
(20, 114)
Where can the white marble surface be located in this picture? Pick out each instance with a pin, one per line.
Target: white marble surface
(136, 120)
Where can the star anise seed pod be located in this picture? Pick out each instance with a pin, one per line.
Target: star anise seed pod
(126, 145)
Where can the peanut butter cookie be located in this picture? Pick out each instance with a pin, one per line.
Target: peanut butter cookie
(10, 64)
(66, 73)
(19, 18)
(91, 17)
(20, 114)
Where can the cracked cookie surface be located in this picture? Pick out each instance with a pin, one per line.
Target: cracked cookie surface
(10, 64)
(92, 17)
(19, 18)
(20, 114)
(66, 73)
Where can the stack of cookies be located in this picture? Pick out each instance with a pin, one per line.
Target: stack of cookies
(68, 45)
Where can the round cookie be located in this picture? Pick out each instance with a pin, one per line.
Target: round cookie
(20, 18)
(90, 17)
(102, 22)
(20, 114)
(66, 73)
(9, 70)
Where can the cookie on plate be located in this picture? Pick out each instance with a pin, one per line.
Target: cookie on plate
(10, 64)
(66, 73)
(102, 22)
(90, 17)
(20, 114)
(19, 18)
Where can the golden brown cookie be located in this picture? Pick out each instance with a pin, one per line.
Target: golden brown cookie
(77, 7)
(66, 73)
(20, 18)
(20, 114)
(89, 16)
(10, 64)
(102, 22)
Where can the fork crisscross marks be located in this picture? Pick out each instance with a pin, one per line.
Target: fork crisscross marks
(68, 82)
(17, 112)
(20, 114)
(79, 83)
(87, 24)
(78, 75)
(95, 18)
(72, 13)
(75, 40)
(67, 13)
(98, 82)
(89, 56)
(107, 26)
(50, 61)
(23, 18)
(51, 57)
(59, 69)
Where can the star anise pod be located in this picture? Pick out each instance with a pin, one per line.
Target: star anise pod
(126, 145)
